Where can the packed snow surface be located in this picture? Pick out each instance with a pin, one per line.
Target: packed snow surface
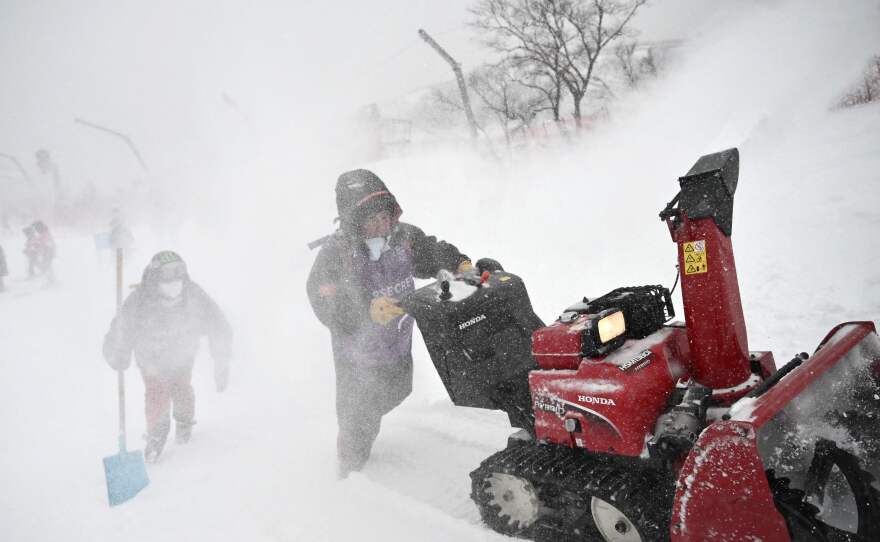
(573, 219)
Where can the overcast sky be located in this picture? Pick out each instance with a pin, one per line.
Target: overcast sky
(158, 68)
(184, 78)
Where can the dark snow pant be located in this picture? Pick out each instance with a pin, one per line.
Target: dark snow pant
(363, 396)
(161, 393)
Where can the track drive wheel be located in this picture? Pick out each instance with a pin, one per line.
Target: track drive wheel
(507, 499)
(550, 493)
(628, 505)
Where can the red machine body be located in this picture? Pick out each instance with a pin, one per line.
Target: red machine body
(722, 493)
(614, 401)
(712, 307)
(725, 469)
(712, 442)
(559, 345)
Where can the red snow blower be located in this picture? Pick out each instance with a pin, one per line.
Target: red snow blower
(648, 430)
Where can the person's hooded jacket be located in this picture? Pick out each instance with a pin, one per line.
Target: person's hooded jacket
(344, 280)
(164, 334)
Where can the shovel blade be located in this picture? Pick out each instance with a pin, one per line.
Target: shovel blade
(126, 475)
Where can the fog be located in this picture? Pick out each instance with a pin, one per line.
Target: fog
(242, 112)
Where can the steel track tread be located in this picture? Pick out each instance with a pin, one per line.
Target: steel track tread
(566, 480)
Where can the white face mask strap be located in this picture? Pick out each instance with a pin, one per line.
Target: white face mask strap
(376, 246)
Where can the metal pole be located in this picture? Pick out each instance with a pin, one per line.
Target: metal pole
(120, 135)
(15, 161)
(462, 87)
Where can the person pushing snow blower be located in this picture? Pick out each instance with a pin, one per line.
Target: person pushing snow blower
(161, 322)
(358, 276)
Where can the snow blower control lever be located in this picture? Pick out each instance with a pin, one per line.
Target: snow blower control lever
(445, 294)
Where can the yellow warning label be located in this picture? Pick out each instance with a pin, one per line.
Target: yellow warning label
(695, 260)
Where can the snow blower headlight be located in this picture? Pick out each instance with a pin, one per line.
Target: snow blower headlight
(603, 332)
(611, 326)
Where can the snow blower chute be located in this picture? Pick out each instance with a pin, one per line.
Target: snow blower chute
(648, 430)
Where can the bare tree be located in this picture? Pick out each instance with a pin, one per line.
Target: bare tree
(442, 108)
(561, 41)
(522, 31)
(648, 64)
(868, 89)
(512, 104)
(595, 25)
(544, 81)
(626, 62)
(635, 67)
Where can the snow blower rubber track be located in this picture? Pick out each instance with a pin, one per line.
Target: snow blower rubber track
(553, 493)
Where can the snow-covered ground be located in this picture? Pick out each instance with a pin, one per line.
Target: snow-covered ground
(574, 220)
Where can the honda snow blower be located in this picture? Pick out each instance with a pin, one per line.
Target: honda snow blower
(636, 429)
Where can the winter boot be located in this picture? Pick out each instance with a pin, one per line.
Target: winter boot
(344, 468)
(351, 460)
(183, 432)
(153, 449)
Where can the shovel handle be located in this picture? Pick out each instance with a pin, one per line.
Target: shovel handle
(121, 385)
(120, 375)
(118, 279)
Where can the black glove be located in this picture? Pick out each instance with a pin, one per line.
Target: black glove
(488, 264)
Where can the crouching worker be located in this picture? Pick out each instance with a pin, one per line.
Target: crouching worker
(161, 322)
(354, 285)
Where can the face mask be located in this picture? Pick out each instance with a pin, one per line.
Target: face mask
(376, 245)
(171, 290)
(172, 271)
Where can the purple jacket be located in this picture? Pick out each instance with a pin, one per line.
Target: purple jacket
(343, 282)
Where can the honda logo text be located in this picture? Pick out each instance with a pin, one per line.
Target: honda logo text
(596, 400)
(472, 321)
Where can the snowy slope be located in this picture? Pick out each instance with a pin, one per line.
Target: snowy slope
(574, 220)
(261, 465)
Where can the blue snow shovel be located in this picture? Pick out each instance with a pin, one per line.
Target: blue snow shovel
(126, 472)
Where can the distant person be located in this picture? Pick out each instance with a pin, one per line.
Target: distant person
(31, 250)
(4, 270)
(161, 322)
(40, 250)
(354, 285)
